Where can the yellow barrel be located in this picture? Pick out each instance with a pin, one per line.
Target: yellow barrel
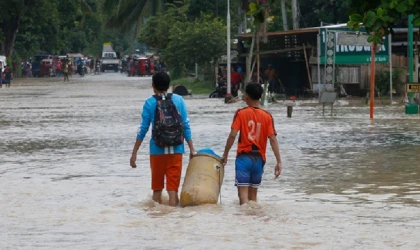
(202, 181)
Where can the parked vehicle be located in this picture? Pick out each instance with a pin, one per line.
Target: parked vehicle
(220, 91)
(146, 66)
(46, 67)
(142, 69)
(133, 65)
(109, 60)
(36, 63)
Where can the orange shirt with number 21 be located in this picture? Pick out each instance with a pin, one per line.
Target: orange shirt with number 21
(255, 126)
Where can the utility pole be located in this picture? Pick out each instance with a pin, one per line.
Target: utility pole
(228, 48)
(284, 15)
(295, 14)
(411, 107)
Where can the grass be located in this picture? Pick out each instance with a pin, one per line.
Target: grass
(196, 87)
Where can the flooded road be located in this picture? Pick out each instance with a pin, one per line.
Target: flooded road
(66, 183)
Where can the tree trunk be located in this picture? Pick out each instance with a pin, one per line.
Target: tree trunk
(10, 29)
(250, 55)
(155, 6)
(295, 14)
(284, 15)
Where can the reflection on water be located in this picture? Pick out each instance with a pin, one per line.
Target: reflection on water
(65, 180)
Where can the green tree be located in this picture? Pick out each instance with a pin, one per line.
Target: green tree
(128, 14)
(379, 16)
(46, 25)
(215, 7)
(313, 12)
(185, 42)
(11, 14)
(200, 41)
(157, 29)
(38, 30)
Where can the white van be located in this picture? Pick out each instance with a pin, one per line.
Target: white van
(3, 62)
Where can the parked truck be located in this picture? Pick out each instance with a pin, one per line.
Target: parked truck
(109, 59)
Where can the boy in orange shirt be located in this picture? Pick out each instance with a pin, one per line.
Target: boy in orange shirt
(255, 126)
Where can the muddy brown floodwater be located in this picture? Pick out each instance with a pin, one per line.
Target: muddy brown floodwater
(66, 183)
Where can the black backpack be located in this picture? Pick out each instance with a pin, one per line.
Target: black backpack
(168, 127)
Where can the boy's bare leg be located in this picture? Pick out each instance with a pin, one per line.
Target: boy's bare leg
(173, 198)
(157, 196)
(243, 195)
(252, 194)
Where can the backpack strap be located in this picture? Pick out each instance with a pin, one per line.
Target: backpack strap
(168, 96)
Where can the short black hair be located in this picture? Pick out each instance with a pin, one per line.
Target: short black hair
(161, 81)
(254, 91)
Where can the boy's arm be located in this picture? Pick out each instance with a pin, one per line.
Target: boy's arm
(134, 153)
(229, 142)
(275, 147)
(144, 127)
(191, 146)
(187, 128)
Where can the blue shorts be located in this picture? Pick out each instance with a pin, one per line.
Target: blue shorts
(249, 169)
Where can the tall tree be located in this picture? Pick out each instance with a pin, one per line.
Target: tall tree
(380, 16)
(128, 14)
(313, 12)
(11, 14)
(43, 25)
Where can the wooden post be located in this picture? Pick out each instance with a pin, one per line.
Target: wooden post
(307, 67)
(289, 111)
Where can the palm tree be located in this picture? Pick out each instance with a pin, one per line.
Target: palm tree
(126, 14)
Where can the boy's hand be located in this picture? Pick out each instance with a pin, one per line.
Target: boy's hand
(277, 170)
(133, 161)
(224, 159)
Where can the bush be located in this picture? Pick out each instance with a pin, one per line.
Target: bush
(196, 86)
(382, 81)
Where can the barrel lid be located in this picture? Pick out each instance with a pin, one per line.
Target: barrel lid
(209, 155)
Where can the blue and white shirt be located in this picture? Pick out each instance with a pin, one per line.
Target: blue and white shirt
(148, 116)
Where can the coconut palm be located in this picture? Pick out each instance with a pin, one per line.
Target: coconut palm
(126, 14)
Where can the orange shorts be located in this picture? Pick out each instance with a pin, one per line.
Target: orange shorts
(169, 165)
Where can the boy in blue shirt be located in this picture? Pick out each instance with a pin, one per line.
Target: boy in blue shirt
(164, 161)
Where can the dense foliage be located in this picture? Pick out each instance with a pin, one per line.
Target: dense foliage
(380, 16)
(54, 27)
(62, 26)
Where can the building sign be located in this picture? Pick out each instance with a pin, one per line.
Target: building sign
(353, 39)
(352, 53)
(413, 87)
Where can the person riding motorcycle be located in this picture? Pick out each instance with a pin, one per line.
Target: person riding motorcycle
(235, 80)
(81, 70)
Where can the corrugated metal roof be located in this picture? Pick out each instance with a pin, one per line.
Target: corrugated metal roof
(282, 33)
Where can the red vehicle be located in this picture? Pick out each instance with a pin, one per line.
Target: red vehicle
(133, 65)
(142, 68)
(46, 67)
(151, 66)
